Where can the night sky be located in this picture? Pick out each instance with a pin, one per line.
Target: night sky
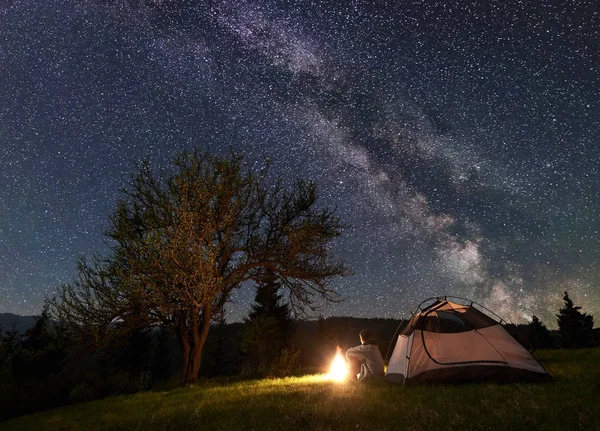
(460, 140)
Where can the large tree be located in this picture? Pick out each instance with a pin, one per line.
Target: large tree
(183, 241)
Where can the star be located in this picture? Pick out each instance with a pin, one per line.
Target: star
(458, 140)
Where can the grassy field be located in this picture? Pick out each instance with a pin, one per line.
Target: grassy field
(312, 402)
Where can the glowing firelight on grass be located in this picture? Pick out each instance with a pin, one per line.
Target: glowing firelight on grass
(338, 370)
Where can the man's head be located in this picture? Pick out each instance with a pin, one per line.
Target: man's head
(365, 336)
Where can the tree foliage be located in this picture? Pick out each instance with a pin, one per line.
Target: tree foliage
(540, 335)
(575, 327)
(269, 301)
(183, 241)
(268, 328)
(29, 366)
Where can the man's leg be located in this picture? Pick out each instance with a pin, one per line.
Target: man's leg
(354, 366)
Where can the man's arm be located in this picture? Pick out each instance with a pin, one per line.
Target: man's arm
(356, 352)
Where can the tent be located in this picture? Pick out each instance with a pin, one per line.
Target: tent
(446, 341)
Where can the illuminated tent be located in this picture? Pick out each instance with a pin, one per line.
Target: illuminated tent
(460, 341)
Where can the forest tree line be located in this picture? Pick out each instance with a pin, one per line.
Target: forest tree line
(46, 367)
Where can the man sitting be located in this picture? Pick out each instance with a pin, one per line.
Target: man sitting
(365, 359)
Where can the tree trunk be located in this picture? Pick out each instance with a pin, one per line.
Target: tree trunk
(193, 336)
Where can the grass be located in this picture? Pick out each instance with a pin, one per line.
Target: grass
(313, 402)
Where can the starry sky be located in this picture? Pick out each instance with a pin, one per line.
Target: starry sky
(459, 139)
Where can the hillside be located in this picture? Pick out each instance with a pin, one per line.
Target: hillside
(313, 402)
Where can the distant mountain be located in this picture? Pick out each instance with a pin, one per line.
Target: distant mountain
(20, 323)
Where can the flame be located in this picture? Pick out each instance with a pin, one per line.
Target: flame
(338, 370)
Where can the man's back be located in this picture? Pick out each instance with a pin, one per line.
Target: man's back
(370, 357)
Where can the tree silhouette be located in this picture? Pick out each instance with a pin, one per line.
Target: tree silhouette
(575, 327)
(182, 242)
(268, 302)
(540, 336)
(269, 326)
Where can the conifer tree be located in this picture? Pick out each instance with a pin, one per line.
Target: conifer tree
(268, 302)
(574, 326)
(269, 326)
(540, 336)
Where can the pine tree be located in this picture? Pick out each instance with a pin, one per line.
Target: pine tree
(540, 336)
(575, 327)
(268, 302)
(269, 326)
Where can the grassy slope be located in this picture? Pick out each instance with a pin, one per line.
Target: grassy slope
(311, 402)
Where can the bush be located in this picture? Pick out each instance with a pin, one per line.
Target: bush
(144, 382)
(286, 364)
(82, 393)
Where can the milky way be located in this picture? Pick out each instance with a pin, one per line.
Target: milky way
(459, 139)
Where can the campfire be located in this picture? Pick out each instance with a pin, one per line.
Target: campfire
(338, 369)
